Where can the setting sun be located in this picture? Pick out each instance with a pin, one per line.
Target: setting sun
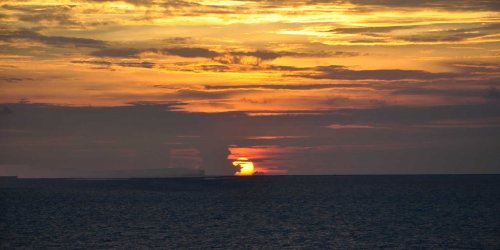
(246, 166)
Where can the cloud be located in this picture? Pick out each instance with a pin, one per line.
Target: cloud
(437, 32)
(213, 68)
(476, 67)
(58, 14)
(287, 86)
(11, 36)
(263, 55)
(84, 149)
(225, 57)
(450, 5)
(241, 57)
(249, 57)
(343, 73)
(118, 52)
(190, 52)
(350, 126)
(493, 94)
(198, 94)
(134, 2)
(285, 68)
(374, 5)
(139, 64)
(15, 79)
(96, 62)
(214, 152)
(441, 36)
(441, 92)
(369, 30)
(144, 64)
(361, 5)
(176, 40)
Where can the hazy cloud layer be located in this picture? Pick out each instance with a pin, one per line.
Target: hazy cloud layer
(87, 139)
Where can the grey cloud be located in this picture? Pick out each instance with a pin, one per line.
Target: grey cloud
(285, 68)
(214, 152)
(361, 5)
(341, 72)
(118, 52)
(367, 41)
(134, 2)
(287, 86)
(440, 36)
(176, 40)
(446, 92)
(458, 27)
(202, 94)
(269, 55)
(362, 30)
(62, 19)
(493, 94)
(227, 57)
(190, 52)
(96, 62)
(15, 79)
(165, 86)
(335, 101)
(415, 115)
(441, 4)
(59, 14)
(237, 57)
(213, 68)
(139, 64)
(374, 5)
(199, 94)
(193, 7)
(100, 144)
(261, 54)
(343, 54)
(476, 67)
(144, 64)
(9, 36)
(440, 32)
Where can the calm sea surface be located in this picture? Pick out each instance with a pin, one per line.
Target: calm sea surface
(271, 212)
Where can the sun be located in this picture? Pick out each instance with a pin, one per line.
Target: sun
(246, 166)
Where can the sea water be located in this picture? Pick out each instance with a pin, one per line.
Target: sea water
(262, 212)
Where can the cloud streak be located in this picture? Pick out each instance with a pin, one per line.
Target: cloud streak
(28, 35)
(341, 72)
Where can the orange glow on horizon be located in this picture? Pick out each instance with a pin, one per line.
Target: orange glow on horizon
(246, 165)
(265, 156)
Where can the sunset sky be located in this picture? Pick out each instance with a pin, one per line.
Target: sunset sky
(297, 87)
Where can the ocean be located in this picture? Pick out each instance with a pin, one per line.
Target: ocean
(256, 212)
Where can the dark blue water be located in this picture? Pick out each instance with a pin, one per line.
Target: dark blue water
(253, 212)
